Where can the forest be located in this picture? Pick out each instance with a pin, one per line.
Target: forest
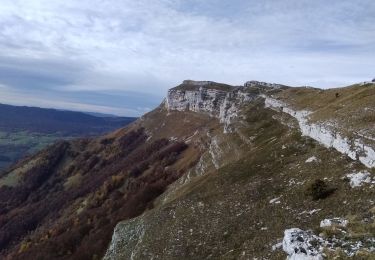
(119, 184)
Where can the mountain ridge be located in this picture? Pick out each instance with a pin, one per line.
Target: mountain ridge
(194, 99)
(210, 173)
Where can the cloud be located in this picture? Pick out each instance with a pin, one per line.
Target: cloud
(76, 49)
(21, 72)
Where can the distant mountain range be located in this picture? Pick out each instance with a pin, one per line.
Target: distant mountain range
(41, 120)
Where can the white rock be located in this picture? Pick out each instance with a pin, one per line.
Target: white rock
(275, 201)
(297, 244)
(311, 212)
(311, 159)
(357, 179)
(300, 244)
(341, 222)
(277, 246)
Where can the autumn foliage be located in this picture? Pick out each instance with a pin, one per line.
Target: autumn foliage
(48, 217)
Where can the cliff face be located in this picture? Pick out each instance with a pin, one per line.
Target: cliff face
(225, 102)
(210, 98)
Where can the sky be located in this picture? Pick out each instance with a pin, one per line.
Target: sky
(121, 56)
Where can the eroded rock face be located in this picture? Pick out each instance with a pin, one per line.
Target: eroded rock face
(327, 134)
(209, 98)
(202, 100)
(126, 236)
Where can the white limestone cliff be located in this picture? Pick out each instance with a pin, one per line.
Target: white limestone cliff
(222, 104)
(356, 149)
(225, 103)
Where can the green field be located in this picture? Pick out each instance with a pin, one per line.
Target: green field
(18, 144)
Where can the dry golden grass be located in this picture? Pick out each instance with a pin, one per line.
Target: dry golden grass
(353, 110)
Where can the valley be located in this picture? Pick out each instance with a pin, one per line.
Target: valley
(27, 130)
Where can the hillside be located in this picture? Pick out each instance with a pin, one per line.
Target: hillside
(26, 130)
(215, 172)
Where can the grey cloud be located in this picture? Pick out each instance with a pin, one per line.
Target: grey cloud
(26, 73)
(82, 51)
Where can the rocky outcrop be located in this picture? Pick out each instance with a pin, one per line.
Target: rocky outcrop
(216, 100)
(127, 235)
(254, 83)
(327, 134)
(224, 102)
(298, 244)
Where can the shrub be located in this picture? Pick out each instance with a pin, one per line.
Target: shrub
(319, 190)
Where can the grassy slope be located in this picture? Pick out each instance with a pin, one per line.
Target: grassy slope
(226, 214)
(353, 110)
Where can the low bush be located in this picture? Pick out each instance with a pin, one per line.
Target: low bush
(319, 189)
